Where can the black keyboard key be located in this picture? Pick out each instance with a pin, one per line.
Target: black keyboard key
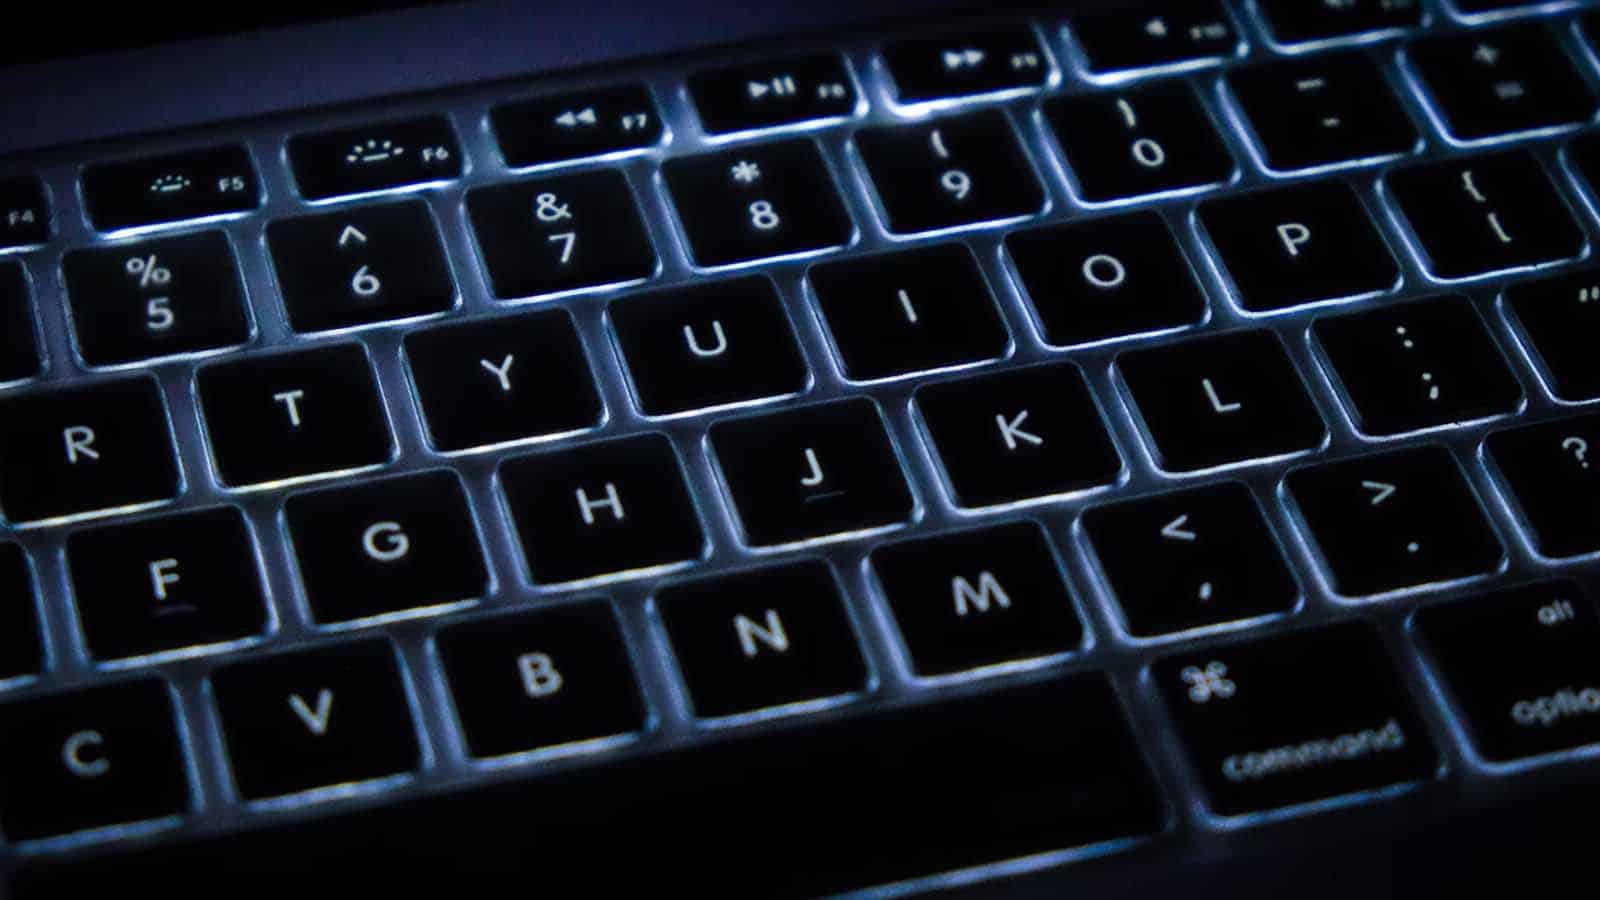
(1417, 364)
(1490, 6)
(556, 676)
(105, 756)
(71, 451)
(805, 473)
(1149, 34)
(167, 583)
(564, 233)
(1106, 278)
(1146, 140)
(1511, 79)
(1394, 520)
(1521, 664)
(385, 546)
(753, 202)
(1583, 152)
(315, 718)
(374, 157)
(708, 345)
(1305, 243)
(761, 639)
(1018, 434)
(1326, 109)
(1223, 399)
(487, 382)
(24, 212)
(1295, 21)
(911, 311)
(1553, 470)
(962, 63)
(19, 344)
(20, 650)
(192, 184)
(1561, 316)
(783, 91)
(155, 298)
(950, 172)
(978, 598)
(292, 415)
(1034, 779)
(1482, 214)
(361, 265)
(1190, 558)
(594, 122)
(1266, 726)
(604, 508)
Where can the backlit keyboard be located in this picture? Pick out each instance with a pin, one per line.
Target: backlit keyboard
(883, 462)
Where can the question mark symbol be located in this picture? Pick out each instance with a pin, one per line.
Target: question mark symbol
(1579, 448)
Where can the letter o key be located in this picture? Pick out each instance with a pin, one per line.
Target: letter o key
(1104, 271)
(395, 544)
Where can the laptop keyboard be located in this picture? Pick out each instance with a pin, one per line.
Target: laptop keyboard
(1090, 431)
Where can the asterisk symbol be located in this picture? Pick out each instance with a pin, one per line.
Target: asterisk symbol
(746, 172)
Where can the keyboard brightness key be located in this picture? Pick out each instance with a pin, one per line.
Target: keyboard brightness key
(762, 639)
(1295, 718)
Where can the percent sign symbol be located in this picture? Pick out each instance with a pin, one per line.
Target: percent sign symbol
(147, 271)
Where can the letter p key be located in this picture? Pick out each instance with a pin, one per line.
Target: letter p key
(1293, 235)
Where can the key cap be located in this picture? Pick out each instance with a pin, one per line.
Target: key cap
(1189, 559)
(1148, 140)
(1583, 152)
(1394, 520)
(362, 265)
(191, 184)
(103, 756)
(1150, 34)
(708, 345)
(810, 472)
(374, 157)
(612, 507)
(1033, 780)
(24, 212)
(20, 651)
(385, 546)
(70, 451)
(1561, 316)
(1018, 434)
(19, 346)
(783, 91)
(1417, 365)
(761, 639)
(1481, 214)
(556, 676)
(1513, 78)
(595, 122)
(949, 172)
(911, 311)
(292, 415)
(484, 382)
(1552, 472)
(1521, 664)
(1106, 278)
(1266, 726)
(566, 233)
(964, 63)
(155, 298)
(1305, 243)
(175, 581)
(1484, 6)
(1322, 110)
(1293, 21)
(315, 718)
(978, 598)
(1221, 399)
(753, 202)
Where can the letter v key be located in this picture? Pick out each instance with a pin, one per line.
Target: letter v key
(316, 722)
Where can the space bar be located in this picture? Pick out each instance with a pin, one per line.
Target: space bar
(807, 808)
